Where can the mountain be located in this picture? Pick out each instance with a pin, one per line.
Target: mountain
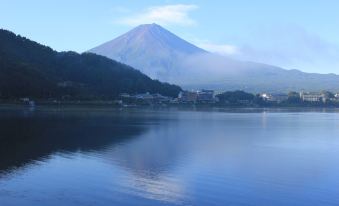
(149, 48)
(29, 69)
(165, 56)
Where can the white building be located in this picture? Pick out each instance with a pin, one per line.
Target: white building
(278, 98)
(312, 97)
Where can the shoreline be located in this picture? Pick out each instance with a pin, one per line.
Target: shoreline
(173, 107)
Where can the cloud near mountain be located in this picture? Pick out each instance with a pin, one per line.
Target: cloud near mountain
(299, 49)
(221, 49)
(177, 14)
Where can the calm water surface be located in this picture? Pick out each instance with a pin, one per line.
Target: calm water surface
(111, 157)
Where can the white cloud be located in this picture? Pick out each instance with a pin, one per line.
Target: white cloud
(286, 46)
(292, 47)
(177, 14)
(221, 49)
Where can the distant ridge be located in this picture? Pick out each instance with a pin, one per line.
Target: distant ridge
(29, 69)
(162, 55)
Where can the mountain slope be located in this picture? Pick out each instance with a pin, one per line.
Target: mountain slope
(149, 48)
(33, 70)
(162, 55)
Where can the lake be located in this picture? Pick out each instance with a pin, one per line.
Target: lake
(97, 156)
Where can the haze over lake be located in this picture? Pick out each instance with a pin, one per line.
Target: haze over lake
(128, 157)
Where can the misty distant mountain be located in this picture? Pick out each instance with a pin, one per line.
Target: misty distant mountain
(29, 69)
(164, 56)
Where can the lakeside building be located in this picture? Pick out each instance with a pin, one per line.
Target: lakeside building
(202, 96)
(276, 98)
(158, 98)
(335, 98)
(313, 97)
(146, 98)
(27, 101)
(188, 97)
(206, 96)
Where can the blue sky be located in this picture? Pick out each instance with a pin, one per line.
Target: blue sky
(301, 34)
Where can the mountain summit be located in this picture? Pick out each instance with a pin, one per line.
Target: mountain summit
(150, 48)
(162, 55)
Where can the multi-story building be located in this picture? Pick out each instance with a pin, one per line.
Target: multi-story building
(206, 96)
(188, 97)
(313, 97)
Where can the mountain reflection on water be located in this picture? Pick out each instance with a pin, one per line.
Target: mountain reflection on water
(27, 136)
(130, 157)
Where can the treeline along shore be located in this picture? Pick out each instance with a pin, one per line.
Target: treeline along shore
(201, 98)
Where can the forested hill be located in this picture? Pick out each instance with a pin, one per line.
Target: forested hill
(29, 69)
